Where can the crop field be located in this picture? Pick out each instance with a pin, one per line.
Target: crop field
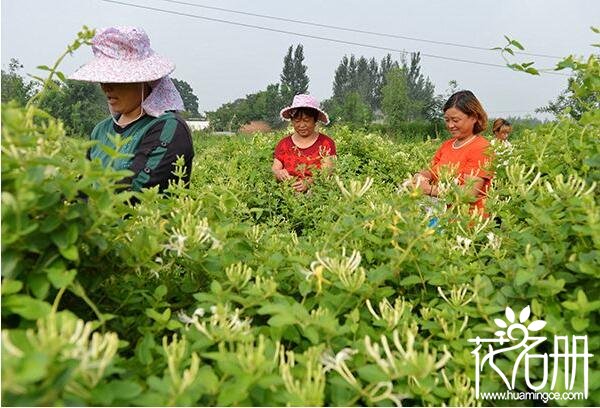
(238, 291)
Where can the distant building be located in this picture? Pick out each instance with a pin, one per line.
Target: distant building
(255, 126)
(195, 124)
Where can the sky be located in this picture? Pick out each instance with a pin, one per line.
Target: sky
(223, 62)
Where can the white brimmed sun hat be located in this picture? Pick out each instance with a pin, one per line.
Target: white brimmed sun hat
(304, 101)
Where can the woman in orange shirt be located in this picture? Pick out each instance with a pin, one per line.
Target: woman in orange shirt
(466, 154)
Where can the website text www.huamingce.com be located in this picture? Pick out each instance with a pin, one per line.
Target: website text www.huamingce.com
(541, 396)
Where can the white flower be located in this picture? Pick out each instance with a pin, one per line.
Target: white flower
(176, 242)
(337, 363)
(463, 244)
(184, 318)
(494, 242)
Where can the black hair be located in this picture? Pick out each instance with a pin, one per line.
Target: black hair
(310, 112)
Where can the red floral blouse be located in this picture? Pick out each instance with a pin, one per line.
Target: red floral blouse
(299, 162)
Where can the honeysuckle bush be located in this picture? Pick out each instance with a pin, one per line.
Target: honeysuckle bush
(239, 291)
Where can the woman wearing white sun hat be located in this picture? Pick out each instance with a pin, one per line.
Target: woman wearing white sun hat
(143, 102)
(299, 154)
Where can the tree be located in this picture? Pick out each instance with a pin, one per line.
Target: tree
(395, 98)
(190, 101)
(263, 105)
(571, 102)
(420, 90)
(14, 87)
(341, 79)
(362, 76)
(293, 77)
(80, 105)
(352, 110)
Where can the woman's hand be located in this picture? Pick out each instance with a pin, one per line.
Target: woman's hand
(422, 183)
(282, 174)
(301, 185)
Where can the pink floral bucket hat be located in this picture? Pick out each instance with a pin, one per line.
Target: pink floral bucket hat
(123, 55)
(304, 101)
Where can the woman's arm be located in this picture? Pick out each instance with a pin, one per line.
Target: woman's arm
(327, 162)
(279, 172)
(474, 185)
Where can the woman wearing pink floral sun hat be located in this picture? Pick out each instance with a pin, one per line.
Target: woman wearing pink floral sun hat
(142, 101)
(305, 150)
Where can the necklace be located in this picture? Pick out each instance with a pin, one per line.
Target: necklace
(471, 138)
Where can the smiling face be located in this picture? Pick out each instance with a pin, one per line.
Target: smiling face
(458, 123)
(304, 124)
(123, 98)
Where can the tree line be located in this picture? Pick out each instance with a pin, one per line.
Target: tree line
(363, 91)
(392, 94)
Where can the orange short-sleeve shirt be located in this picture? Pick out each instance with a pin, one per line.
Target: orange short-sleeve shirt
(471, 159)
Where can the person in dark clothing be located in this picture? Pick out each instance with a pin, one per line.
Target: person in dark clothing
(143, 102)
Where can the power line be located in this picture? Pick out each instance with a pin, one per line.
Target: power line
(353, 30)
(311, 36)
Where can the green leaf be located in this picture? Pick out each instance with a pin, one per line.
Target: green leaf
(10, 261)
(143, 350)
(60, 278)
(570, 305)
(208, 379)
(215, 287)
(410, 280)
(579, 323)
(119, 390)
(160, 292)
(26, 306)
(60, 238)
(524, 276)
(371, 373)
(38, 284)
(234, 391)
(10, 286)
(72, 233)
(34, 367)
(517, 44)
(582, 299)
(162, 318)
(281, 320)
(71, 253)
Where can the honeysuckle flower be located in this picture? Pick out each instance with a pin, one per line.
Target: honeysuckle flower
(355, 189)
(337, 363)
(494, 241)
(176, 242)
(458, 295)
(184, 318)
(390, 314)
(463, 244)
